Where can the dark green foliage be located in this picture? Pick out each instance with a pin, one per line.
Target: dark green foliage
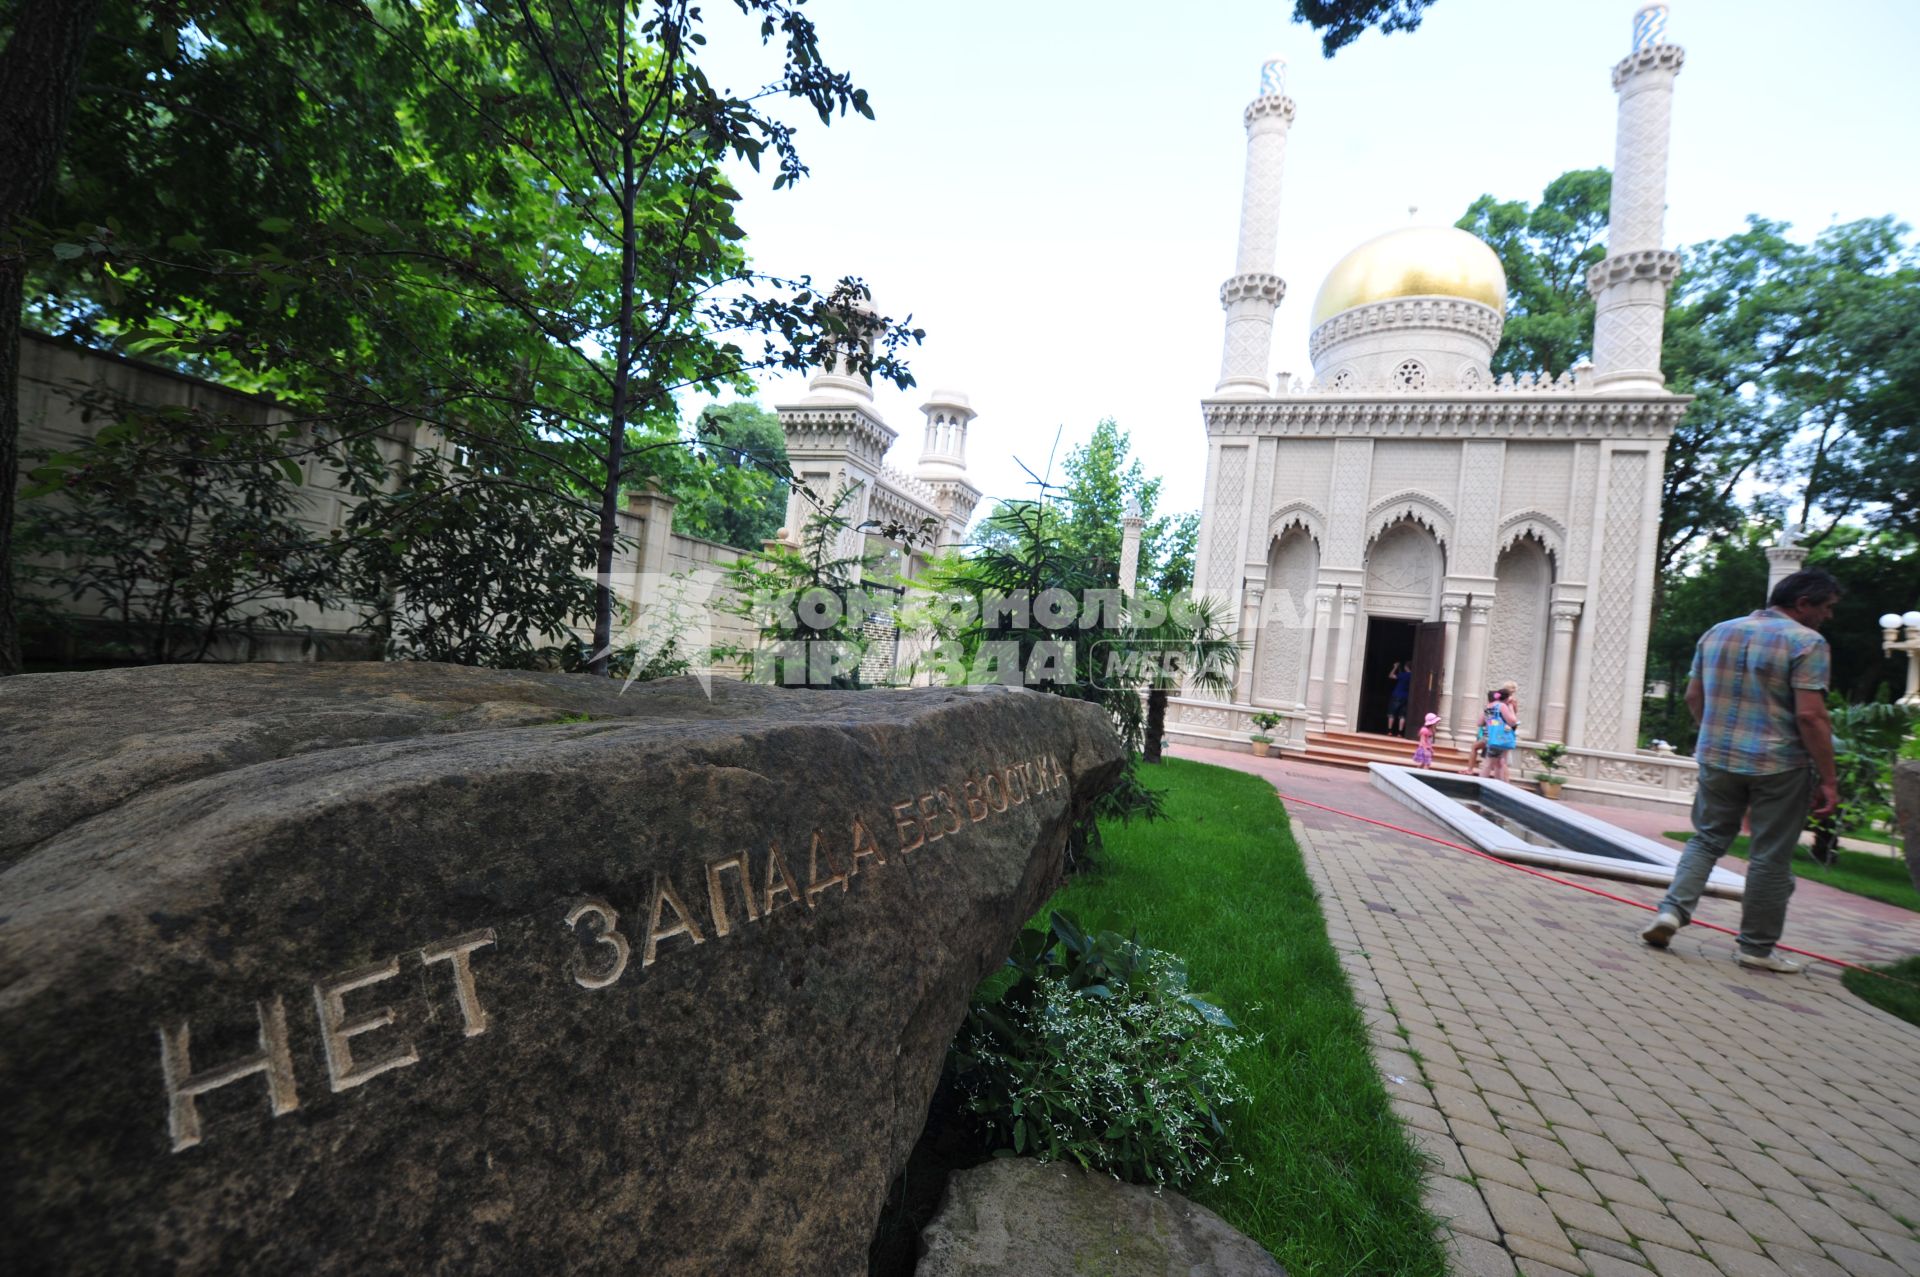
(182, 525)
(431, 556)
(808, 604)
(1867, 740)
(1176, 549)
(1546, 250)
(1090, 1047)
(741, 499)
(508, 222)
(1727, 578)
(1084, 515)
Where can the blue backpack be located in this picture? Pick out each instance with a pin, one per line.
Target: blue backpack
(1499, 731)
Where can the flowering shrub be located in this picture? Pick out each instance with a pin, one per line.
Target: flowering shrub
(1092, 1049)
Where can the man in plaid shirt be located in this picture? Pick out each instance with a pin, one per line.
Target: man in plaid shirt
(1758, 689)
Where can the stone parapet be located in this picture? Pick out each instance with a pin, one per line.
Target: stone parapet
(1667, 58)
(1269, 107)
(1254, 286)
(1659, 264)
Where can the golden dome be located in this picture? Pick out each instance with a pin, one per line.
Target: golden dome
(1414, 261)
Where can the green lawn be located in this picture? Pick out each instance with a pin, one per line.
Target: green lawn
(1864, 873)
(1332, 1184)
(1902, 999)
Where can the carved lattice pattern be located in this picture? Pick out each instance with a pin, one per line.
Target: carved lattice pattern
(1517, 630)
(1223, 555)
(1286, 622)
(1478, 517)
(1611, 681)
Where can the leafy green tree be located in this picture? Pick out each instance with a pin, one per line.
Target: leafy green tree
(738, 497)
(1797, 357)
(507, 221)
(1102, 479)
(1176, 552)
(182, 525)
(1085, 515)
(1546, 250)
(430, 562)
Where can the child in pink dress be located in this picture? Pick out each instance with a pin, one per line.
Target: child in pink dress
(1423, 752)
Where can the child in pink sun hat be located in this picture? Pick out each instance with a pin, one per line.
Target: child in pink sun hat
(1423, 752)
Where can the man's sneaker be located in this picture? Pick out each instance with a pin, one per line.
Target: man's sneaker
(1771, 962)
(1662, 929)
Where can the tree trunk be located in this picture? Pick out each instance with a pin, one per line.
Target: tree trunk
(1156, 723)
(39, 75)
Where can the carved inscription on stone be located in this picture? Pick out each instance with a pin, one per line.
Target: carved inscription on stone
(362, 1033)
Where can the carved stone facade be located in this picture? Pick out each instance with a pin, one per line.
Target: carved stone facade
(1281, 647)
(836, 439)
(1404, 484)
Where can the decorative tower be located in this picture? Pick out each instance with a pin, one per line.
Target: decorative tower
(943, 463)
(1250, 297)
(1629, 286)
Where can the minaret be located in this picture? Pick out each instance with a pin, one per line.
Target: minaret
(1249, 298)
(943, 463)
(943, 450)
(1629, 287)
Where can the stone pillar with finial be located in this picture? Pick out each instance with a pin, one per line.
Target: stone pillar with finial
(1254, 292)
(1629, 286)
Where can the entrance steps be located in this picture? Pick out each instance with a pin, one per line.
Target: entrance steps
(1357, 749)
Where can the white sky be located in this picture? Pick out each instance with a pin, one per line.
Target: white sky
(1052, 188)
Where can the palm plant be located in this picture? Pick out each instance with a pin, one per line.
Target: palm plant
(1194, 638)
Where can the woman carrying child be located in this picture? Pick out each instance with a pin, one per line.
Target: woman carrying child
(1499, 723)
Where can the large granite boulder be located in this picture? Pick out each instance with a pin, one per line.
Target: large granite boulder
(385, 968)
(1016, 1217)
(1906, 813)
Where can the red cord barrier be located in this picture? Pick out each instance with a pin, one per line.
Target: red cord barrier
(1578, 886)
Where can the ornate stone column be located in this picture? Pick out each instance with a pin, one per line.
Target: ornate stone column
(1553, 716)
(1629, 286)
(1317, 655)
(1450, 617)
(1340, 717)
(1251, 296)
(1250, 638)
(1467, 705)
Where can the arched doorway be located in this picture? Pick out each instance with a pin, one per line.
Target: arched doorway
(1400, 608)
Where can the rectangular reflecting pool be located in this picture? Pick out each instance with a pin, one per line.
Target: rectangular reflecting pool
(1513, 824)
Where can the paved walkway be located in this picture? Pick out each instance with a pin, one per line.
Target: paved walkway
(1596, 1106)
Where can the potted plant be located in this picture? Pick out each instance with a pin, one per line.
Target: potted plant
(1265, 721)
(1548, 758)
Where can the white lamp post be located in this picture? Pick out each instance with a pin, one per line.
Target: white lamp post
(1891, 642)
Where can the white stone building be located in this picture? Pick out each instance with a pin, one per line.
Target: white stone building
(1406, 506)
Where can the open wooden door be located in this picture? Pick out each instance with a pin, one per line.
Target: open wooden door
(1429, 654)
